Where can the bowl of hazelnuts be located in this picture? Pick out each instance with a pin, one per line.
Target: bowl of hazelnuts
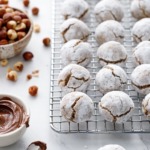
(15, 31)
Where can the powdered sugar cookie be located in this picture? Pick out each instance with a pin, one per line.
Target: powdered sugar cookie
(111, 147)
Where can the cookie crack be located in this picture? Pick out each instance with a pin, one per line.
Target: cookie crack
(66, 80)
(138, 61)
(85, 80)
(112, 14)
(73, 109)
(142, 86)
(113, 62)
(144, 107)
(83, 14)
(65, 31)
(142, 9)
(139, 38)
(116, 36)
(77, 43)
(113, 73)
(117, 116)
(79, 62)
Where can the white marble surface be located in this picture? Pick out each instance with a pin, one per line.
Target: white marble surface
(39, 124)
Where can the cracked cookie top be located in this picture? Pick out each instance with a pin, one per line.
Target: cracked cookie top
(74, 78)
(140, 9)
(141, 30)
(110, 30)
(110, 78)
(108, 10)
(112, 53)
(75, 9)
(116, 106)
(140, 78)
(76, 107)
(141, 53)
(74, 29)
(111, 147)
(76, 52)
(146, 105)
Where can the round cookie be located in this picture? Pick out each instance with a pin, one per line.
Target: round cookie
(140, 78)
(140, 9)
(141, 53)
(76, 107)
(116, 106)
(111, 147)
(74, 29)
(146, 105)
(110, 78)
(108, 10)
(112, 53)
(74, 78)
(110, 30)
(75, 9)
(141, 30)
(76, 52)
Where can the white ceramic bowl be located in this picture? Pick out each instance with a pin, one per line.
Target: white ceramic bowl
(13, 136)
(13, 49)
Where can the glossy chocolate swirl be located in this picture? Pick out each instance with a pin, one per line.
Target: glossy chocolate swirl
(12, 115)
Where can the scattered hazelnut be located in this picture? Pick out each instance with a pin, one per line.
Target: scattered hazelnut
(27, 56)
(12, 34)
(12, 75)
(21, 35)
(35, 11)
(3, 1)
(29, 77)
(18, 66)
(20, 27)
(36, 28)
(46, 41)
(33, 90)
(3, 42)
(26, 3)
(37, 145)
(4, 62)
(11, 24)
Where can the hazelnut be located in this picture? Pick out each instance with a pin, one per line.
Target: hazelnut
(46, 41)
(3, 42)
(4, 62)
(12, 34)
(35, 11)
(17, 18)
(23, 15)
(29, 77)
(37, 145)
(7, 17)
(3, 1)
(27, 56)
(20, 27)
(2, 12)
(33, 90)
(11, 24)
(18, 66)
(12, 75)
(36, 28)
(26, 3)
(9, 10)
(3, 34)
(1, 22)
(21, 35)
(26, 22)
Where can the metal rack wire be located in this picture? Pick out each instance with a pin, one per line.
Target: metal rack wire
(138, 122)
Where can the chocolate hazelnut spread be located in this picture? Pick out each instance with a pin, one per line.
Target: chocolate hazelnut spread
(12, 115)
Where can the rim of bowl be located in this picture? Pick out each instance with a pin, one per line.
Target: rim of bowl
(18, 100)
(30, 30)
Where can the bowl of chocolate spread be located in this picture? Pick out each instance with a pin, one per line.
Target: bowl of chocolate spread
(14, 119)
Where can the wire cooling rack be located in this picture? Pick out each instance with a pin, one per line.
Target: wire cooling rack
(138, 123)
